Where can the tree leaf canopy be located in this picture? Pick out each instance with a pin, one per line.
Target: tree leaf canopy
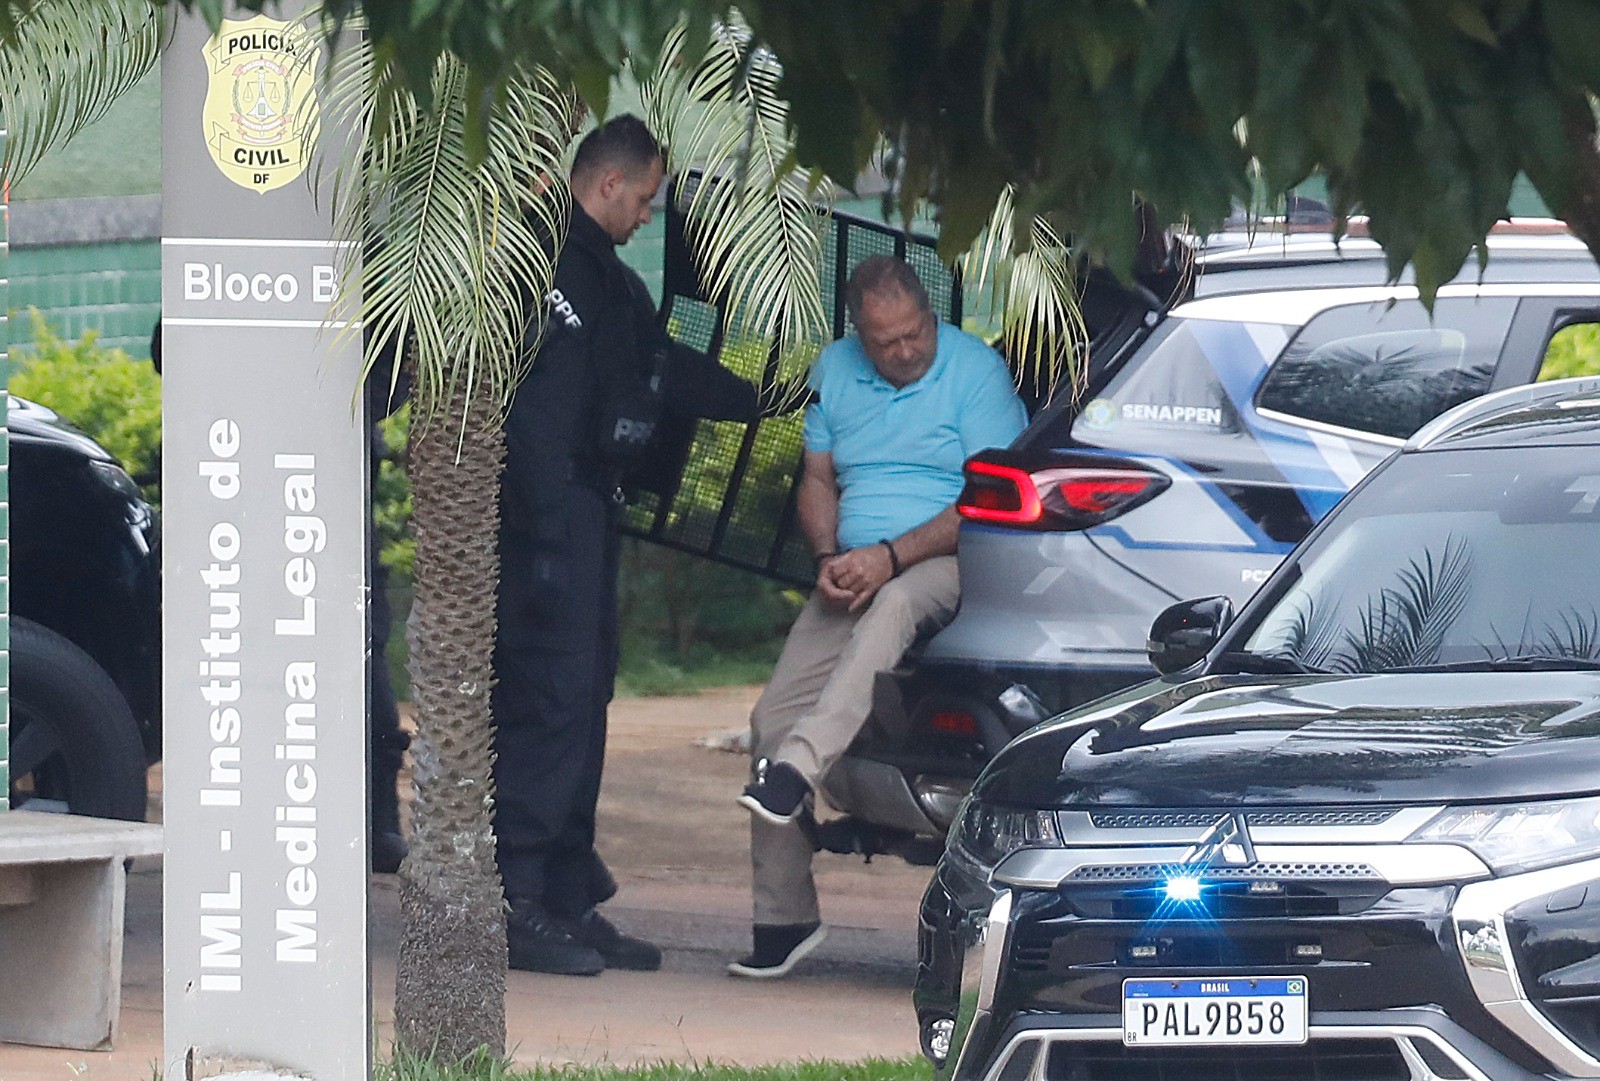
(1420, 112)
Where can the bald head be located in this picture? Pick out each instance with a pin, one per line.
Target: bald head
(880, 276)
(894, 319)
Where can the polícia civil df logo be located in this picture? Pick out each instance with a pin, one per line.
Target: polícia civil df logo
(261, 101)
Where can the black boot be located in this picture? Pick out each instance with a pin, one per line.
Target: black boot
(618, 950)
(389, 851)
(538, 942)
(388, 843)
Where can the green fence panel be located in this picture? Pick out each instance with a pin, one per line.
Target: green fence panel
(112, 288)
(5, 514)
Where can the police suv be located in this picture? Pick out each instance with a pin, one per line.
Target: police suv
(1218, 428)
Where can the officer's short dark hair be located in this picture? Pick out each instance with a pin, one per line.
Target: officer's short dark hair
(623, 142)
(879, 274)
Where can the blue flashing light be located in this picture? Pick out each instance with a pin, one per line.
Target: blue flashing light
(1183, 889)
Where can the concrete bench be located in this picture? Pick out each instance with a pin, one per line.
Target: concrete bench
(62, 887)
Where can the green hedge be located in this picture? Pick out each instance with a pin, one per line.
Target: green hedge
(1575, 350)
(106, 393)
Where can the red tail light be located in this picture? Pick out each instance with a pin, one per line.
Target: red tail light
(1099, 494)
(957, 722)
(1067, 492)
(999, 493)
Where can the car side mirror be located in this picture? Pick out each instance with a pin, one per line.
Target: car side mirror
(1184, 633)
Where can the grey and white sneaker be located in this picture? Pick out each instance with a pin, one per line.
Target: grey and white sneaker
(778, 793)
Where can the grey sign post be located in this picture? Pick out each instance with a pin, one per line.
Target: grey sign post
(264, 483)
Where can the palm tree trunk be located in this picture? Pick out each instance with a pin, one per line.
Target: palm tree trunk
(450, 989)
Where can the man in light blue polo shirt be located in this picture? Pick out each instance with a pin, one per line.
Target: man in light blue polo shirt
(900, 406)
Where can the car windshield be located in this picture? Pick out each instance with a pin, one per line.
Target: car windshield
(1450, 558)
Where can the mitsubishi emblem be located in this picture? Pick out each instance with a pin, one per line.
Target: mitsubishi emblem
(1226, 844)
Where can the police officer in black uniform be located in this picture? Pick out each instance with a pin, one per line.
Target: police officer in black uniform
(604, 382)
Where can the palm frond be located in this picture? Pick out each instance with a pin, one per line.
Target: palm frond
(457, 248)
(64, 63)
(1034, 288)
(1440, 593)
(983, 264)
(1406, 624)
(1578, 636)
(754, 225)
(1314, 638)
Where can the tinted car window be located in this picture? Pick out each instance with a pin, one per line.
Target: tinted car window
(1388, 369)
(1170, 392)
(1433, 562)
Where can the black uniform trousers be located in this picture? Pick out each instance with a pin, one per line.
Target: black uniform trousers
(389, 743)
(555, 663)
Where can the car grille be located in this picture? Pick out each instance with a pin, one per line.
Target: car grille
(1251, 899)
(1060, 957)
(1321, 818)
(1116, 820)
(1319, 1060)
(1160, 872)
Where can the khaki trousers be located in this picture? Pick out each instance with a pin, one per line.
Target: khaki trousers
(818, 699)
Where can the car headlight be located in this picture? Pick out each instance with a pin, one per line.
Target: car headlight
(1520, 836)
(116, 478)
(135, 510)
(989, 834)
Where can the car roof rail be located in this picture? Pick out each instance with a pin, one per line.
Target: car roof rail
(1358, 226)
(1501, 401)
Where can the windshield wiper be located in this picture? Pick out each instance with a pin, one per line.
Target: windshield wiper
(1264, 664)
(1522, 662)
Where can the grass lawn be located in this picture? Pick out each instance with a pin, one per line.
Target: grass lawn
(650, 669)
(120, 154)
(909, 1069)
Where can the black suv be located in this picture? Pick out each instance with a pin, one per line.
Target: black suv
(1353, 835)
(85, 623)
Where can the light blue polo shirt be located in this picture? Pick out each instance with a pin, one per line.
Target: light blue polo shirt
(898, 453)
